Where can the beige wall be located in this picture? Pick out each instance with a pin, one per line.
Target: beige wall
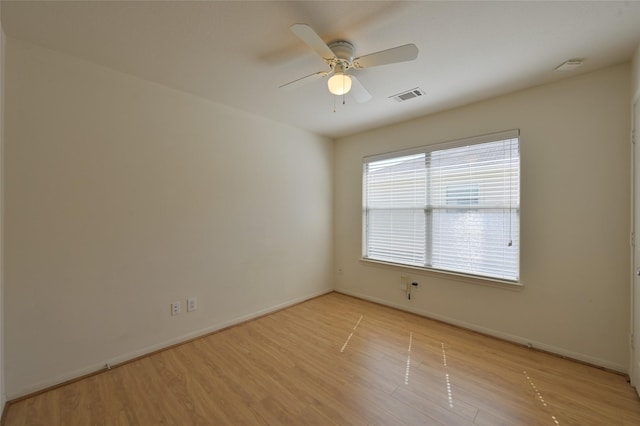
(123, 196)
(575, 220)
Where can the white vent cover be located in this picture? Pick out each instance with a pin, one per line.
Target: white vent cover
(409, 94)
(569, 65)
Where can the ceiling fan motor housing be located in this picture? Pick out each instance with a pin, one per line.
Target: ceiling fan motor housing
(342, 49)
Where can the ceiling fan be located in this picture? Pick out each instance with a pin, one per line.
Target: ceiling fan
(339, 57)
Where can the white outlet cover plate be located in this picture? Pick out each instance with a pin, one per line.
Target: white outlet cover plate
(192, 304)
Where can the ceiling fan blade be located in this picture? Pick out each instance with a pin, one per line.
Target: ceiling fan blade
(313, 40)
(360, 94)
(304, 80)
(408, 52)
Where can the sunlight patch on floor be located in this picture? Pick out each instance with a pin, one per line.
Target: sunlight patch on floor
(539, 395)
(351, 335)
(446, 376)
(406, 373)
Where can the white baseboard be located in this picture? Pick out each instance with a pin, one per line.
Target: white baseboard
(93, 368)
(496, 333)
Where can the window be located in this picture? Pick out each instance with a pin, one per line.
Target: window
(451, 207)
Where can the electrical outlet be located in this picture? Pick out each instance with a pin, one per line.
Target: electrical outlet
(175, 308)
(192, 304)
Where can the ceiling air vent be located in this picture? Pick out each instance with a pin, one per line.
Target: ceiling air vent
(569, 65)
(409, 94)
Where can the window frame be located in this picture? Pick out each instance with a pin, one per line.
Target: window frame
(426, 149)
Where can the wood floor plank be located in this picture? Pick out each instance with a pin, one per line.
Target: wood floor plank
(337, 360)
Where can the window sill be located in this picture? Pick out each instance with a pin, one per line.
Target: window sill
(457, 276)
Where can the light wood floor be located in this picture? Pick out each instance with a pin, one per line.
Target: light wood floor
(339, 360)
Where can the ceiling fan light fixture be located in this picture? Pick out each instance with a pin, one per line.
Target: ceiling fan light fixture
(339, 84)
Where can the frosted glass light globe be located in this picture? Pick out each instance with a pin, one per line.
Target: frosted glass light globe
(339, 84)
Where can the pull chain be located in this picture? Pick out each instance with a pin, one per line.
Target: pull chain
(344, 92)
(344, 97)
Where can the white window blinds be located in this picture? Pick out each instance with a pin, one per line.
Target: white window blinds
(396, 196)
(453, 207)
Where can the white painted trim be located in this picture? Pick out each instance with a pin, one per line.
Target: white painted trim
(469, 278)
(495, 333)
(633, 199)
(634, 334)
(93, 368)
(473, 140)
(3, 395)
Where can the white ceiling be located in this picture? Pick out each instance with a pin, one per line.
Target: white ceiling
(238, 52)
